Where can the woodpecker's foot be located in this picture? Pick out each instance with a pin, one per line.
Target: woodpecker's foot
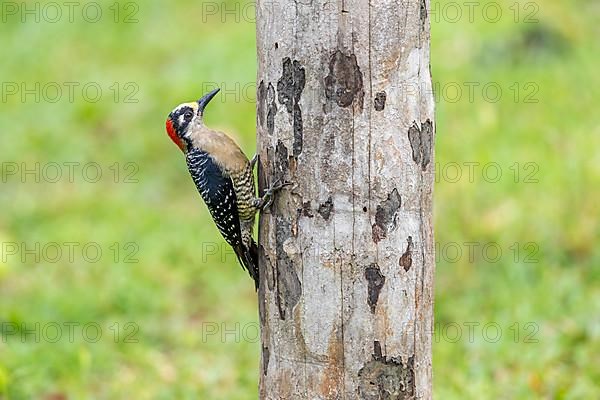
(253, 162)
(267, 198)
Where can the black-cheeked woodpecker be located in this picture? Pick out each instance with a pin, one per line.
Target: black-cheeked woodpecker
(224, 177)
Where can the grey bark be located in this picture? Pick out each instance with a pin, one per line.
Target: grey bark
(345, 112)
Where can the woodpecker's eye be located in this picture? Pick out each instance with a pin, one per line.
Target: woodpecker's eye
(188, 115)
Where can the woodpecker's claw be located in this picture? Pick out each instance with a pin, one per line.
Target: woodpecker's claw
(267, 199)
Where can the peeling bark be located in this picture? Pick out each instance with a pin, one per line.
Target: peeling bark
(345, 111)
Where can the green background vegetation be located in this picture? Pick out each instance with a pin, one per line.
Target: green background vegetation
(179, 287)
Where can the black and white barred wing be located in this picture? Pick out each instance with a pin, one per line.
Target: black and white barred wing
(217, 191)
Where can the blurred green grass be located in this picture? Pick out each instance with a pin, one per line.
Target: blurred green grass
(173, 297)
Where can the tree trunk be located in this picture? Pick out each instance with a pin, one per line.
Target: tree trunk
(345, 112)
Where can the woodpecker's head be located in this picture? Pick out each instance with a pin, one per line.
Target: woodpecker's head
(186, 116)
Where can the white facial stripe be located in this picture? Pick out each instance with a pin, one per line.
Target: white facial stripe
(181, 122)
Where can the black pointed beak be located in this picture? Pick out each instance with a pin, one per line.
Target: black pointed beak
(203, 102)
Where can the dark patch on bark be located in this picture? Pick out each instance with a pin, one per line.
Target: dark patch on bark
(288, 288)
(260, 172)
(385, 378)
(375, 282)
(406, 259)
(282, 163)
(266, 354)
(423, 13)
(386, 216)
(414, 137)
(285, 85)
(272, 109)
(379, 102)
(260, 103)
(298, 131)
(344, 84)
(427, 142)
(421, 140)
(326, 208)
(289, 89)
(306, 209)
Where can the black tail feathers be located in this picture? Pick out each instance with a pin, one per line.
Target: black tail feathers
(248, 257)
